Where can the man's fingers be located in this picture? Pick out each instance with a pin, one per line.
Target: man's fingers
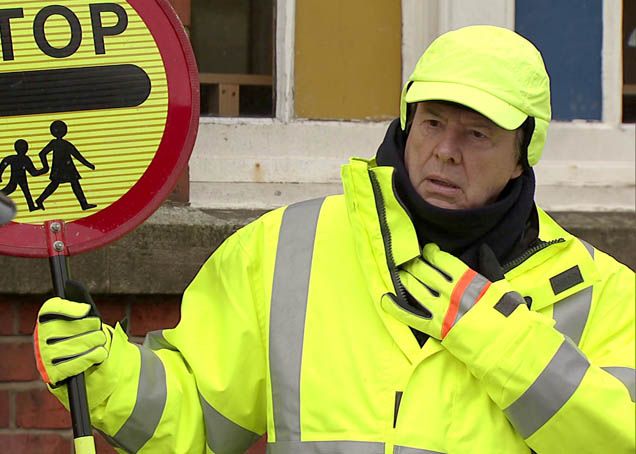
(67, 347)
(446, 264)
(61, 309)
(70, 367)
(62, 329)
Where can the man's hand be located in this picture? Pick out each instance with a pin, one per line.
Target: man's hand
(68, 339)
(446, 289)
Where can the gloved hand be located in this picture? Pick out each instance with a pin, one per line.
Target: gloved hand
(446, 289)
(68, 339)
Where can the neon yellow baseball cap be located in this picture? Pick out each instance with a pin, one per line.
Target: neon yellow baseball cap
(492, 70)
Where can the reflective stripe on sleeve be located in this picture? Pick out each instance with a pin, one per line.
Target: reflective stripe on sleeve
(473, 292)
(339, 447)
(325, 447)
(405, 450)
(151, 400)
(588, 246)
(156, 341)
(223, 435)
(287, 314)
(571, 314)
(550, 391)
(627, 375)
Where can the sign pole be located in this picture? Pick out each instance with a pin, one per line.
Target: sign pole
(77, 399)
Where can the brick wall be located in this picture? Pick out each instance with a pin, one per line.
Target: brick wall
(31, 419)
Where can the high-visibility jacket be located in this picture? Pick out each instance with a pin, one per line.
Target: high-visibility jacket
(282, 332)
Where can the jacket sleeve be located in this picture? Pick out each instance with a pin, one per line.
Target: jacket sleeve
(199, 387)
(558, 396)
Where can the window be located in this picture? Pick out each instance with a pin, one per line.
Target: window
(233, 44)
(347, 59)
(571, 41)
(629, 61)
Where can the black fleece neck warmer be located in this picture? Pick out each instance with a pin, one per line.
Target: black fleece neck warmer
(507, 225)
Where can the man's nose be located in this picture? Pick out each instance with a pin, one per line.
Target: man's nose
(448, 148)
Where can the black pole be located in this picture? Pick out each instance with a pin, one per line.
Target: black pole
(77, 400)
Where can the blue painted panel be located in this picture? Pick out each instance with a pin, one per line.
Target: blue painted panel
(569, 34)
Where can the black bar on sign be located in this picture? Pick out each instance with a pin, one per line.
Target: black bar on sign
(72, 89)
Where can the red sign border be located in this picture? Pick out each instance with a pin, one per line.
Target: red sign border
(175, 148)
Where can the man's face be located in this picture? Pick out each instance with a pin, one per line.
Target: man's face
(457, 158)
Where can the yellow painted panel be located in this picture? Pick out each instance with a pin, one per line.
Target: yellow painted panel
(348, 61)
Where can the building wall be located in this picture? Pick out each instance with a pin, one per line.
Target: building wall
(264, 163)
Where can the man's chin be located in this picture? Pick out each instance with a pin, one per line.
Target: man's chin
(444, 203)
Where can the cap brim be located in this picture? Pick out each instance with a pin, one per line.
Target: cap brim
(500, 112)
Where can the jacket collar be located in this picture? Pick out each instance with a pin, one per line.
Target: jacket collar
(366, 207)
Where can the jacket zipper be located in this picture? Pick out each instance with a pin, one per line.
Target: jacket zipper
(529, 253)
(386, 239)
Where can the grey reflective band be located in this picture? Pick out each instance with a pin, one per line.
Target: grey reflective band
(325, 447)
(223, 435)
(588, 246)
(508, 303)
(550, 391)
(151, 400)
(627, 375)
(287, 314)
(155, 341)
(571, 314)
(470, 295)
(405, 450)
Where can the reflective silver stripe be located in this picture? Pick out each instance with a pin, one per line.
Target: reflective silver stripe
(588, 246)
(627, 375)
(405, 450)
(470, 295)
(287, 313)
(155, 341)
(223, 435)
(325, 447)
(151, 400)
(571, 314)
(550, 391)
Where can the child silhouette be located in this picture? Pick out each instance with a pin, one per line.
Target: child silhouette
(63, 168)
(20, 164)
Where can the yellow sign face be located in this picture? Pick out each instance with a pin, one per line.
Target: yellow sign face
(83, 106)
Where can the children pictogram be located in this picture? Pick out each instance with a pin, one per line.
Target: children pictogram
(20, 164)
(63, 168)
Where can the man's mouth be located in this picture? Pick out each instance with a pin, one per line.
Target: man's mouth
(447, 184)
(437, 181)
(439, 187)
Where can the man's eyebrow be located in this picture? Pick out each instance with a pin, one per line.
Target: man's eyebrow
(432, 110)
(481, 121)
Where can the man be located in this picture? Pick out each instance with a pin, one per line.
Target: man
(432, 308)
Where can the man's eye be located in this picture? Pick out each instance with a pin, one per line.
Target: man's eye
(432, 123)
(478, 134)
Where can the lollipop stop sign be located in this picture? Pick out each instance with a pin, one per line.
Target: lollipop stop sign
(98, 116)
(99, 109)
